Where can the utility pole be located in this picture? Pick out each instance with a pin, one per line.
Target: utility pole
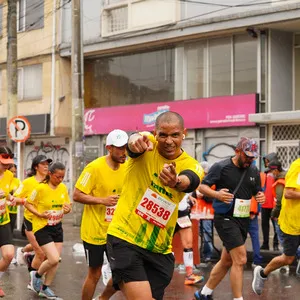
(12, 64)
(12, 87)
(77, 102)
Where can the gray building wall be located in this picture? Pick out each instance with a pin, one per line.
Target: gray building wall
(281, 71)
(215, 144)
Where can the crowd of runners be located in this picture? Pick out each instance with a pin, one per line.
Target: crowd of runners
(135, 199)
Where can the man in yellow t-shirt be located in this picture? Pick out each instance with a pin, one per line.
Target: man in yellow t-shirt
(289, 223)
(139, 241)
(98, 188)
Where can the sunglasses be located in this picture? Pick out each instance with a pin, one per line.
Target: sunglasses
(6, 155)
(249, 158)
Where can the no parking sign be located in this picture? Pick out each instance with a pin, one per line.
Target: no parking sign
(18, 129)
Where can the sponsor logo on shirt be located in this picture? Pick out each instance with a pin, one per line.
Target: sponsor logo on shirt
(161, 190)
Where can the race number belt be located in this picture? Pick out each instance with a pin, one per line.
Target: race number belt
(242, 208)
(109, 213)
(55, 217)
(155, 209)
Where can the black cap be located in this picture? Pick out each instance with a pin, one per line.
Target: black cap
(39, 159)
(274, 165)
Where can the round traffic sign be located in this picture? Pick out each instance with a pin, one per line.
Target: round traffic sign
(18, 129)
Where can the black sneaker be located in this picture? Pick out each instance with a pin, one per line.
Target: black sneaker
(264, 247)
(199, 296)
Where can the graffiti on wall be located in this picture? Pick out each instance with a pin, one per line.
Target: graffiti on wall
(57, 153)
(218, 152)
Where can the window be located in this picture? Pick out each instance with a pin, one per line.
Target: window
(1, 19)
(30, 82)
(130, 79)
(245, 64)
(117, 19)
(196, 71)
(220, 67)
(115, 16)
(30, 15)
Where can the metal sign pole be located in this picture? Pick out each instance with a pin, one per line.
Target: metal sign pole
(19, 172)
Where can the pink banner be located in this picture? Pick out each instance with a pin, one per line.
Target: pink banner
(227, 111)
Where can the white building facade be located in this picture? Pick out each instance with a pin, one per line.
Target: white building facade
(231, 69)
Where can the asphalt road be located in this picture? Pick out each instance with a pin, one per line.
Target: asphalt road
(72, 271)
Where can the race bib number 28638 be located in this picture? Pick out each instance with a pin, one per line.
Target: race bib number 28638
(155, 209)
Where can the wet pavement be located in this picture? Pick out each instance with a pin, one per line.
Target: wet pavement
(72, 271)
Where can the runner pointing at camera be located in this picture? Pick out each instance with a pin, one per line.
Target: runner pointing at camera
(98, 188)
(139, 241)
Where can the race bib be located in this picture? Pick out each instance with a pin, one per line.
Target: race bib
(155, 208)
(2, 206)
(55, 217)
(109, 213)
(184, 222)
(242, 208)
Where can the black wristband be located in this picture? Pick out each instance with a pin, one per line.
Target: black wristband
(194, 180)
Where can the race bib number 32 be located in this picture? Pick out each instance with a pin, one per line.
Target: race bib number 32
(109, 213)
(155, 209)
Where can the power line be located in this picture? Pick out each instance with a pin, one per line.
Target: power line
(227, 5)
(38, 20)
(162, 27)
(33, 6)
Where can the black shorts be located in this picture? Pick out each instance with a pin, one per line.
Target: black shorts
(232, 231)
(27, 225)
(290, 244)
(5, 235)
(181, 213)
(13, 219)
(131, 263)
(94, 254)
(50, 234)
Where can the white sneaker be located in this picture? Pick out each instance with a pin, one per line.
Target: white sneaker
(258, 282)
(13, 261)
(30, 287)
(106, 273)
(20, 257)
(298, 267)
(285, 270)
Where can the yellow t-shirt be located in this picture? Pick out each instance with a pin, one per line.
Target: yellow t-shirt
(5, 183)
(13, 187)
(145, 202)
(44, 198)
(24, 190)
(289, 219)
(98, 180)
